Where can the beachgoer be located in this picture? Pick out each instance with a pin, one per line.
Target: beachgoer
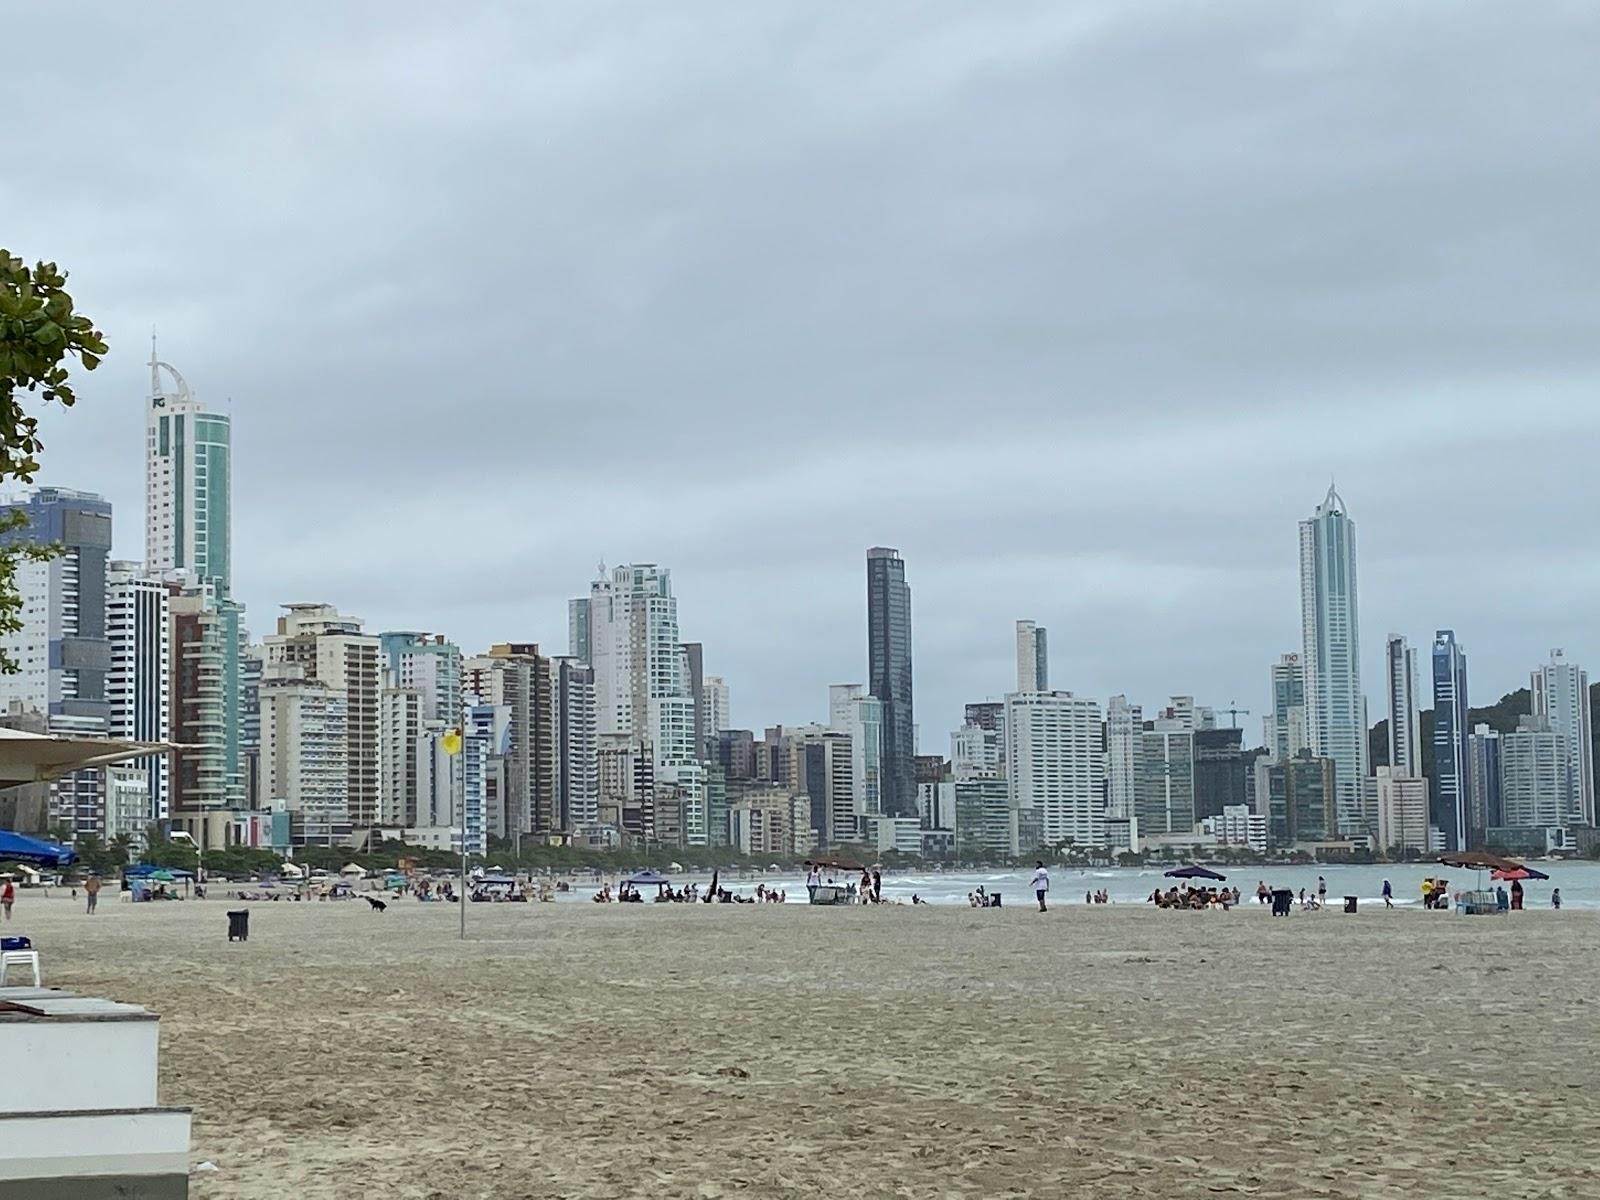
(1088, 897)
(1555, 897)
(877, 887)
(91, 889)
(1322, 891)
(1516, 895)
(866, 886)
(8, 896)
(1388, 895)
(1041, 883)
(813, 880)
(1262, 894)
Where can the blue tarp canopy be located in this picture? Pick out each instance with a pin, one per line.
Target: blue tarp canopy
(19, 847)
(648, 878)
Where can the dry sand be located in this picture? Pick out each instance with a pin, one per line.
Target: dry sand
(574, 1050)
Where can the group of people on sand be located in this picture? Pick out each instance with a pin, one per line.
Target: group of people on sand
(766, 895)
(1195, 897)
(869, 891)
(1097, 897)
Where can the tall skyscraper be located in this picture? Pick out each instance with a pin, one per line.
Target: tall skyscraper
(431, 665)
(517, 676)
(1285, 733)
(188, 514)
(1033, 658)
(1405, 738)
(139, 685)
(189, 528)
(1124, 754)
(1331, 656)
(1451, 731)
(1487, 808)
(642, 680)
(304, 756)
(578, 627)
(1054, 767)
(577, 778)
(61, 650)
(1560, 693)
(889, 676)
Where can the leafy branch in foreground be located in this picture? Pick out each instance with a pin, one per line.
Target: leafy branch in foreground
(39, 332)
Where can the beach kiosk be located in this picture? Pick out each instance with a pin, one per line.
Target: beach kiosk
(648, 878)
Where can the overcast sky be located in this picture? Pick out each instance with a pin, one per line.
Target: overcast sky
(1079, 305)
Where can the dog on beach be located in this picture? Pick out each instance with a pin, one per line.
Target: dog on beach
(377, 904)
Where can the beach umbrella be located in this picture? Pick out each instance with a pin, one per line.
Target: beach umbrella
(1517, 873)
(1195, 872)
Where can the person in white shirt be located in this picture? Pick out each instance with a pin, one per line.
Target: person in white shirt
(813, 878)
(1041, 883)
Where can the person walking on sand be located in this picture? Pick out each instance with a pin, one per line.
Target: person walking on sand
(1322, 892)
(8, 897)
(1388, 895)
(91, 889)
(1555, 897)
(877, 887)
(1041, 883)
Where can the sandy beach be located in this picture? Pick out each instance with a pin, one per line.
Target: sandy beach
(580, 1050)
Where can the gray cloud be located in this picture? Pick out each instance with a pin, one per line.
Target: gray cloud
(1080, 306)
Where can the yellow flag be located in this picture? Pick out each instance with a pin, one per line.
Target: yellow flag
(452, 741)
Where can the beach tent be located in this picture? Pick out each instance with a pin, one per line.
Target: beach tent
(1195, 872)
(674, 866)
(291, 870)
(38, 757)
(19, 847)
(830, 864)
(353, 870)
(647, 877)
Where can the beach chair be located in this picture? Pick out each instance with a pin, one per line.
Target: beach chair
(19, 958)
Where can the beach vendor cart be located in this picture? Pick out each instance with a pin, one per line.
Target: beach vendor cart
(835, 893)
(1479, 900)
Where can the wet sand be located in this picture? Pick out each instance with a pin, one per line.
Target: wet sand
(775, 1051)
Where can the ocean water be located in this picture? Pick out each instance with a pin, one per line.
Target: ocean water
(1579, 883)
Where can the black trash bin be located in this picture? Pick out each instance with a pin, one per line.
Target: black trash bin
(239, 925)
(1282, 902)
(1349, 904)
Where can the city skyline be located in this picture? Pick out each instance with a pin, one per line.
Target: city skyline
(956, 335)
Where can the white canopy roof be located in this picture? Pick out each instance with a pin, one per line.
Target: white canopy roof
(37, 757)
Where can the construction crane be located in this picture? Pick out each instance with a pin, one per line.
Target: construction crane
(1233, 710)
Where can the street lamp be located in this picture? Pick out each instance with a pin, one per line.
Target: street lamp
(180, 835)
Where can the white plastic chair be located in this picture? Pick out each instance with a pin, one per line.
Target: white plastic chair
(19, 958)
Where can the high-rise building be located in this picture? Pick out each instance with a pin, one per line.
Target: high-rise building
(252, 665)
(1336, 716)
(1124, 750)
(1405, 738)
(851, 711)
(518, 676)
(1451, 729)
(304, 757)
(578, 645)
(714, 703)
(189, 528)
(1536, 777)
(1560, 693)
(1285, 733)
(1055, 766)
(626, 770)
(642, 679)
(1483, 777)
(1033, 658)
(139, 684)
(401, 748)
(61, 650)
(1296, 797)
(1402, 812)
(576, 767)
(986, 714)
(332, 649)
(889, 677)
(977, 753)
(1219, 771)
(207, 781)
(430, 664)
(826, 777)
(1164, 800)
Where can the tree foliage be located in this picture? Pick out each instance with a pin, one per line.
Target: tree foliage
(40, 332)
